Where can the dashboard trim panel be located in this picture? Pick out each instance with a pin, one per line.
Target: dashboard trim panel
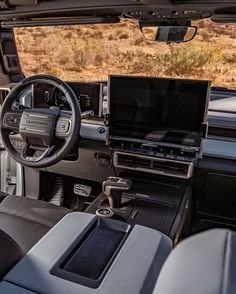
(212, 146)
(91, 131)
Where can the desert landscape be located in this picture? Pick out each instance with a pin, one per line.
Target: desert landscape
(84, 53)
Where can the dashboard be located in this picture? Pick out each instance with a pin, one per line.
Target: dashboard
(107, 150)
(153, 125)
(96, 97)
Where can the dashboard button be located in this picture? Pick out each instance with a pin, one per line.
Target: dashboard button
(103, 160)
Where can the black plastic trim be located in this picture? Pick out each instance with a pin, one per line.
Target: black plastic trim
(59, 269)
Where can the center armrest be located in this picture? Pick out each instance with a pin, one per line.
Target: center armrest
(72, 258)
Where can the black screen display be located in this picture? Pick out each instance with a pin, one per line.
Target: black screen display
(142, 107)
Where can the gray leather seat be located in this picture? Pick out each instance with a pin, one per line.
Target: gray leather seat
(23, 222)
(202, 264)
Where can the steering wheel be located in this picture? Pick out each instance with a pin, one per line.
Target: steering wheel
(48, 134)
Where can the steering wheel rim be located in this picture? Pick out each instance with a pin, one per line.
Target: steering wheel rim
(71, 138)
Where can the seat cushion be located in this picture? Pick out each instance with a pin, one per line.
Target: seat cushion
(202, 264)
(10, 253)
(26, 220)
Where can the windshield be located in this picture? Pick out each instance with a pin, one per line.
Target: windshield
(92, 52)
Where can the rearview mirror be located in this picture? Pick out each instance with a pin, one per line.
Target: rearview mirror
(168, 34)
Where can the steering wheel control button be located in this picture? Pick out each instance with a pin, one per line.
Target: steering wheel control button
(12, 120)
(62, 126)
(104, 212)
(18, 144)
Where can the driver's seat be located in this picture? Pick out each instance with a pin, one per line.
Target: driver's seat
(23, 222)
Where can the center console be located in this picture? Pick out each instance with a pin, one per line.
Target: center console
(155, 204)
(87, 254)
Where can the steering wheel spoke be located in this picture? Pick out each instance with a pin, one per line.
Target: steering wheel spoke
(11, 121)
(28, 153)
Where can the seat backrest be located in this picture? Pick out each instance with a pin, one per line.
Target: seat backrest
(202, 264)
(10, 253)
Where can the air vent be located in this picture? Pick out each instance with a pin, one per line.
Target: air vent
(3, 94)
(12, 61)
(167, 167)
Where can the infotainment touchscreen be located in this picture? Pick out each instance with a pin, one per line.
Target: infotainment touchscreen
(156, 108)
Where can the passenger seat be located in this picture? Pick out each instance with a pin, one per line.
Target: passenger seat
(202, 264)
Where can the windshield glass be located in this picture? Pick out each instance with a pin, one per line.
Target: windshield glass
(92, 52)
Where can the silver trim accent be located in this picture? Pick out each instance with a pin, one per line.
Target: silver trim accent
(19, 179)
(99, 210)
(36, 115)
(90, 131)
(107, 193)
(34, 130)
(59, 134)
(25, 157)
(100, 112)
(159, 172)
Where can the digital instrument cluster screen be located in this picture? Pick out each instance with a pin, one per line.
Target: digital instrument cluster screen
(88, 94)
(143, 107)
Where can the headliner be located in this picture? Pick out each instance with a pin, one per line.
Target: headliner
(155, 10)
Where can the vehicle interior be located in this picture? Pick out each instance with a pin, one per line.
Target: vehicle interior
(118, 163)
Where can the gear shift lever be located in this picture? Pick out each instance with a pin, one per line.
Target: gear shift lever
(112, 189)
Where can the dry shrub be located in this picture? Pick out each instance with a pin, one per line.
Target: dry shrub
(139, 41)
(93, 53)
(205, 35)
(80, 58)
(230, 58)
(124, 36)
(184, 59)
(56, 71)
(180, 60)
(110, 37)
(64, 60)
